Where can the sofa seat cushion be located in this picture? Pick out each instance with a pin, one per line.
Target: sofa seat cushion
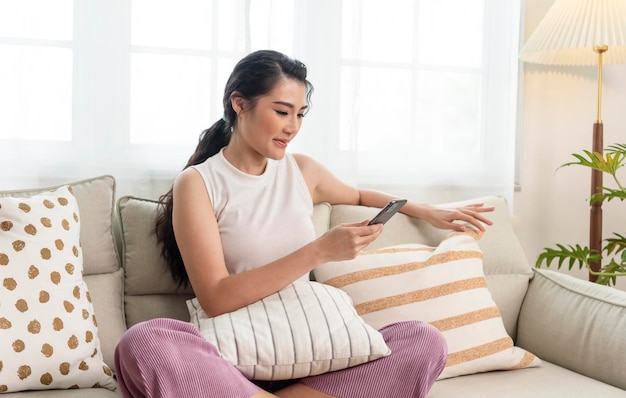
(547, 381)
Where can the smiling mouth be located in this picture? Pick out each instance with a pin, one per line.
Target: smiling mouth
(280, 142)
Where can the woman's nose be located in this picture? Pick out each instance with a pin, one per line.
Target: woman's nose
(293, 126)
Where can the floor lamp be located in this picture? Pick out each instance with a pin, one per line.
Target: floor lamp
(586, 33)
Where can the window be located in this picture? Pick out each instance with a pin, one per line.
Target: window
(410, 95)
(36, 70)
(416, 96)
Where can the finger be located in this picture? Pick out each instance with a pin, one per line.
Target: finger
(476, 216)
(479, 207)
(363, 229)
(458, 227)
(373, 229)
(473, 220)
(356, 224)
(478, 225)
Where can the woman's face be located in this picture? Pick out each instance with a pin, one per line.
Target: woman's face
(274, 121)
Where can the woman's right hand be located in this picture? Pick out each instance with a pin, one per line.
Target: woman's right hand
(345, 241)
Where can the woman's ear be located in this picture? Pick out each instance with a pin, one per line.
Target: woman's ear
(237, 102)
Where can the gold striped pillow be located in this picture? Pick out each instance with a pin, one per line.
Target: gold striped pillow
(442, 285)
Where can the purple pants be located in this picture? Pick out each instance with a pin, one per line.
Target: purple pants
(170, 358)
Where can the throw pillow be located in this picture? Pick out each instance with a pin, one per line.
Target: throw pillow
(443, 285)
(303, 330)
(48, 329)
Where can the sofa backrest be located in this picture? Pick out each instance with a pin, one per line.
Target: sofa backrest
(150, 291)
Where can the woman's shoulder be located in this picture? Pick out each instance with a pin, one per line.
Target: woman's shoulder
(305, 162)
(189, 176)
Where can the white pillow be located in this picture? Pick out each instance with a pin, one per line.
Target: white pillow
(48, 330)
(442, 285)
(305, 329)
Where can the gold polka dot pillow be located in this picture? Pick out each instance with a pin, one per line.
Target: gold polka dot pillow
(443, 285)
(48, 329)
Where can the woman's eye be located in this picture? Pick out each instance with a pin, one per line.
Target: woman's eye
(282, 113)
(300, 115)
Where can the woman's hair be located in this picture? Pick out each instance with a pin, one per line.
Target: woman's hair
(253, 77)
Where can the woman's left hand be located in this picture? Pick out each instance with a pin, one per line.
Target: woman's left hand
(471, 214)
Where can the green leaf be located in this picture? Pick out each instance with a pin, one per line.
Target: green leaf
(617, 148)
(608, 195)
(615, 245)
(610, 272)
(574, 254)
(610, 162)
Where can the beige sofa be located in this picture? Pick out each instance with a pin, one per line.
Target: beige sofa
(575, 327)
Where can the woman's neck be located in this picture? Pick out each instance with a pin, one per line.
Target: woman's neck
(245, 161)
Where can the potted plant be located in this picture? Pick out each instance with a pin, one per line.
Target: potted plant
(613, 254)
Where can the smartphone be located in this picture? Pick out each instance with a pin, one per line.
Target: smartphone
(388, 211)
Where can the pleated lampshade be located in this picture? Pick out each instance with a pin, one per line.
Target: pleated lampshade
(570, 30)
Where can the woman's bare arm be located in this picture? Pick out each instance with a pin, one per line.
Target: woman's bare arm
(325, 187)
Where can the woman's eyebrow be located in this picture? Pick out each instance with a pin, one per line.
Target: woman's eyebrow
(289, 105)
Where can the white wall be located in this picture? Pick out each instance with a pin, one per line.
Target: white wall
(558, 112)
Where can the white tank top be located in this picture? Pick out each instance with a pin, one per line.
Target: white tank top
(260, 218)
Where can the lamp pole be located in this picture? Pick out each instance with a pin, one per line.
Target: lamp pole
(595, 216)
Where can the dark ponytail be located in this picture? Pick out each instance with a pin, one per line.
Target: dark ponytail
(212, 140)
(254, 76)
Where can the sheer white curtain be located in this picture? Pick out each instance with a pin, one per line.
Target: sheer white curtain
(411, 96)
(416, 97)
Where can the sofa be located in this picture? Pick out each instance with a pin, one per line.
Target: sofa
(574, 327)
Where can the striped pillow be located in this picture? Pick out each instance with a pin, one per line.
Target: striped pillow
(442, 285)
(303, 330)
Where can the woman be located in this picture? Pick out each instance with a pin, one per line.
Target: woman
(236, 225)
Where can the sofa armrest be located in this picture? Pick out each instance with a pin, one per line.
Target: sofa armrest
(575, 324)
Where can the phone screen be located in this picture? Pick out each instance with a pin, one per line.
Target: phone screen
(388, 211)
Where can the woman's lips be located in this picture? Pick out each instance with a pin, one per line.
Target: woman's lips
(280, 142)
